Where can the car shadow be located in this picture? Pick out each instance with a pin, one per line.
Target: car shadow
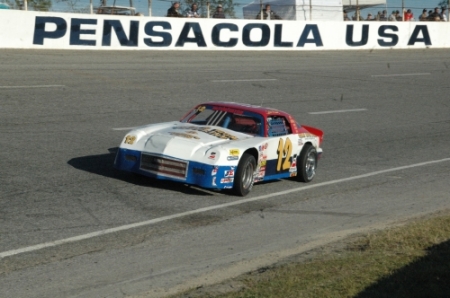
(429, 276)
(103, 165)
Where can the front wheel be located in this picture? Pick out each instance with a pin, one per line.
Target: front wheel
(243, 180)
(307, 164)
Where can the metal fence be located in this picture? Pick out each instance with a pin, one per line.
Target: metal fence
(392, 10)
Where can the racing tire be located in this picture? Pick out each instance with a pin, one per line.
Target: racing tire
(243, 180)
(307, 164)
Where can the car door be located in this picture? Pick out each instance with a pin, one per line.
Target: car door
(280, 154)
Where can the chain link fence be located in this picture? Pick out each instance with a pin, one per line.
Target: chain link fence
(306, 10)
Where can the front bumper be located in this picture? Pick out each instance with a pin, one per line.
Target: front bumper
(173, 169)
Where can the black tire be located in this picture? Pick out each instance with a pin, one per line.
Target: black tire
(307, 164)
(243, 180)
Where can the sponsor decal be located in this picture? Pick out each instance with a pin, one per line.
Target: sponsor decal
(229, 173)
(214, 171)
(232, 158)
(234, 152)
(306, 135)
(212, 155)
(226, 180)
(214, 181)
(293, 174)
(263, 163)
(211, 131)
(129, 140)
(184, 135)
(228, 187)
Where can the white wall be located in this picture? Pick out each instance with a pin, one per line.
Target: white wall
(39, 30)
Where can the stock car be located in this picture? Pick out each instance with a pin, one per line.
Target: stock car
(223, 145)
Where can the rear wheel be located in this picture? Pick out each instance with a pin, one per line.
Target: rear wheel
(243, 180)
(307, 164)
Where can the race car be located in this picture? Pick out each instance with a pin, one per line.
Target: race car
(223, 145)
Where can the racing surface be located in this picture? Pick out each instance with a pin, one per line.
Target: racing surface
(386, 118)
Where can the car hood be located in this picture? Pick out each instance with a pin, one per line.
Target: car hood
(186, 141)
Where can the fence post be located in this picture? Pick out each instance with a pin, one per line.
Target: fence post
(310, 10)
(25, 5)
(91, 7)
(260, 9)
(357, 10)
(149, 8)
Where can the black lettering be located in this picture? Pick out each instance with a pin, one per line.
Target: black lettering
(364, 38)
(215, 35)
(265, 36)
(198, 39)
(278, 35)
(382, 33)
(120, 33)
(166, 36)
(39, 29)
(76, 31)
(317, 39)
(415, 36)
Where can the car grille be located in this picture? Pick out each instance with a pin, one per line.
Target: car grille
(164, 166)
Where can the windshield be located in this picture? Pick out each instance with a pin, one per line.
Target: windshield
(234, 119)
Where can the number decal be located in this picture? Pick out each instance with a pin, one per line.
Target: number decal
(130, 140)
(284, 154)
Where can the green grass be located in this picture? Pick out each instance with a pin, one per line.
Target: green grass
(408, 261)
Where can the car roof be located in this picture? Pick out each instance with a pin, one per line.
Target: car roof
(266, 111)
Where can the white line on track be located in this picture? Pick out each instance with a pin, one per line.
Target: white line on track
(209, 208)
(337, 111)
(248, 80)
(402, 75)
(124, 128)
(27, 87)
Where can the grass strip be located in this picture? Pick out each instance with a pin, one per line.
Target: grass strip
(412, 260)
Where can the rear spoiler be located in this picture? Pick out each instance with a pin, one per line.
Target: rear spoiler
(314, 131)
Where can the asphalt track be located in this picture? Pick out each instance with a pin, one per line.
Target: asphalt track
(72, 226)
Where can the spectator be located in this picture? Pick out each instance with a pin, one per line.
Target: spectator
(423, 16)
(398, 16)
(193, 12)
(218, 14)
(435, 16)
(393, 17)
(346, 18)
(369, 17)
(268, 14)
(383, 16)
(173, 11)
(408, 16)
(443, 15)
